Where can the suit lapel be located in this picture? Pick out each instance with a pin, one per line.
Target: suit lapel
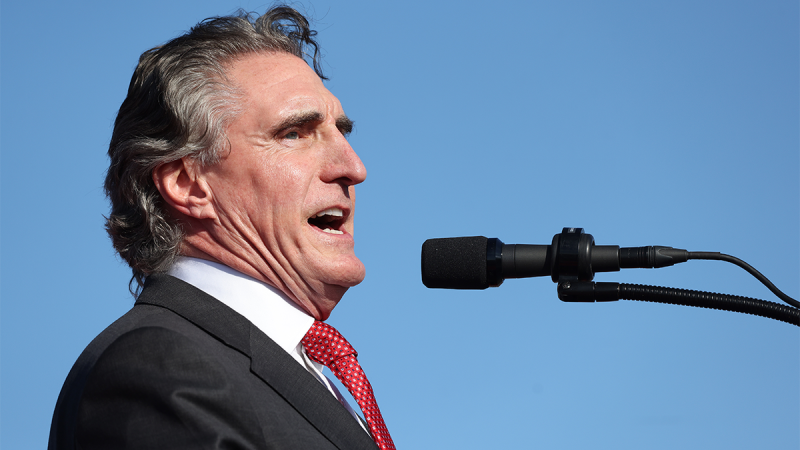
(267, 360)
(307, 395)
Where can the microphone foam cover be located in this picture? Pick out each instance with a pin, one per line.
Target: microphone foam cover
(455, 263)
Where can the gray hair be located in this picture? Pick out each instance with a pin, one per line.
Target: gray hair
(179, 104)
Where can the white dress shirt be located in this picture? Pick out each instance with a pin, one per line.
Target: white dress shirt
(263, 305)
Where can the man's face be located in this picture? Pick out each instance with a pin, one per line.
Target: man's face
(284, 195)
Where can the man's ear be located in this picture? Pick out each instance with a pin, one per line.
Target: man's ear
(184, 188)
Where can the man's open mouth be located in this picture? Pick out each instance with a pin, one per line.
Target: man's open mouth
(329, 220)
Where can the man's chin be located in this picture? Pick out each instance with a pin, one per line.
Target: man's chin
(333, 281)
(351, 275)
(331, 295)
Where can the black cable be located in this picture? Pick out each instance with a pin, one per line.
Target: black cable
(750, 269)
(710, 300)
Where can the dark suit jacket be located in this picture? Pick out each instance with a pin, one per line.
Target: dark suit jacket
(183, 371)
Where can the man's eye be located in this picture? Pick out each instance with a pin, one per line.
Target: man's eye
(292, 135)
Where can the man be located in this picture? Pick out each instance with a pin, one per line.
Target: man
(232, 195)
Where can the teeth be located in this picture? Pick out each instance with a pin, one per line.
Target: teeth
(330, 212)
(328, 230)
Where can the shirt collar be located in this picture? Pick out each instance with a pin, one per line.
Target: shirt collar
(263, 305)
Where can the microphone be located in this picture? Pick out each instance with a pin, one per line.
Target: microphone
(478, 262)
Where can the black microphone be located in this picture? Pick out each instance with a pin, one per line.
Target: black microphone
(478, 262)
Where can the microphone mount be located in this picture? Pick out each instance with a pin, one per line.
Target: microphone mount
(572, 255)
(571, 261)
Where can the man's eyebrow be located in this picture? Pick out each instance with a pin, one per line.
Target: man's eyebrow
(344, 124)
(299, 119)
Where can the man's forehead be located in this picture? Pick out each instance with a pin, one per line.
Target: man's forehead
(283, 82)
(271, 70)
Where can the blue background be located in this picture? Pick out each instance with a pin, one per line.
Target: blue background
(646, 123)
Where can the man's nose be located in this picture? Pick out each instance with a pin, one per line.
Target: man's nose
(346, 167)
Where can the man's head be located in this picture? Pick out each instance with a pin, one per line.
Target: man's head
(228, 147)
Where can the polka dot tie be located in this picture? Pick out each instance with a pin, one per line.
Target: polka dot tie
(326, 346)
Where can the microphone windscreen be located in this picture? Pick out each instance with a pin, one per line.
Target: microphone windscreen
(455, 263)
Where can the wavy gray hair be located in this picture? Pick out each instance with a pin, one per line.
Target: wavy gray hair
(178, 105)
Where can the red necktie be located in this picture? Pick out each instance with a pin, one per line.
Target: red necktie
(326, 346)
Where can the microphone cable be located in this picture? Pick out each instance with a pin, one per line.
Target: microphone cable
(714, 256)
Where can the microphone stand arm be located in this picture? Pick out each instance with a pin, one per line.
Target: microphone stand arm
(590, 291)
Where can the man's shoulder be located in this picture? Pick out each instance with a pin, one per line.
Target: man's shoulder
(164, 308)
(142, 322)
(132, 376)
(149, 348)
(143, 326)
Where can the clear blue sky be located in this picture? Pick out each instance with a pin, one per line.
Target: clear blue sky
(646, 123)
